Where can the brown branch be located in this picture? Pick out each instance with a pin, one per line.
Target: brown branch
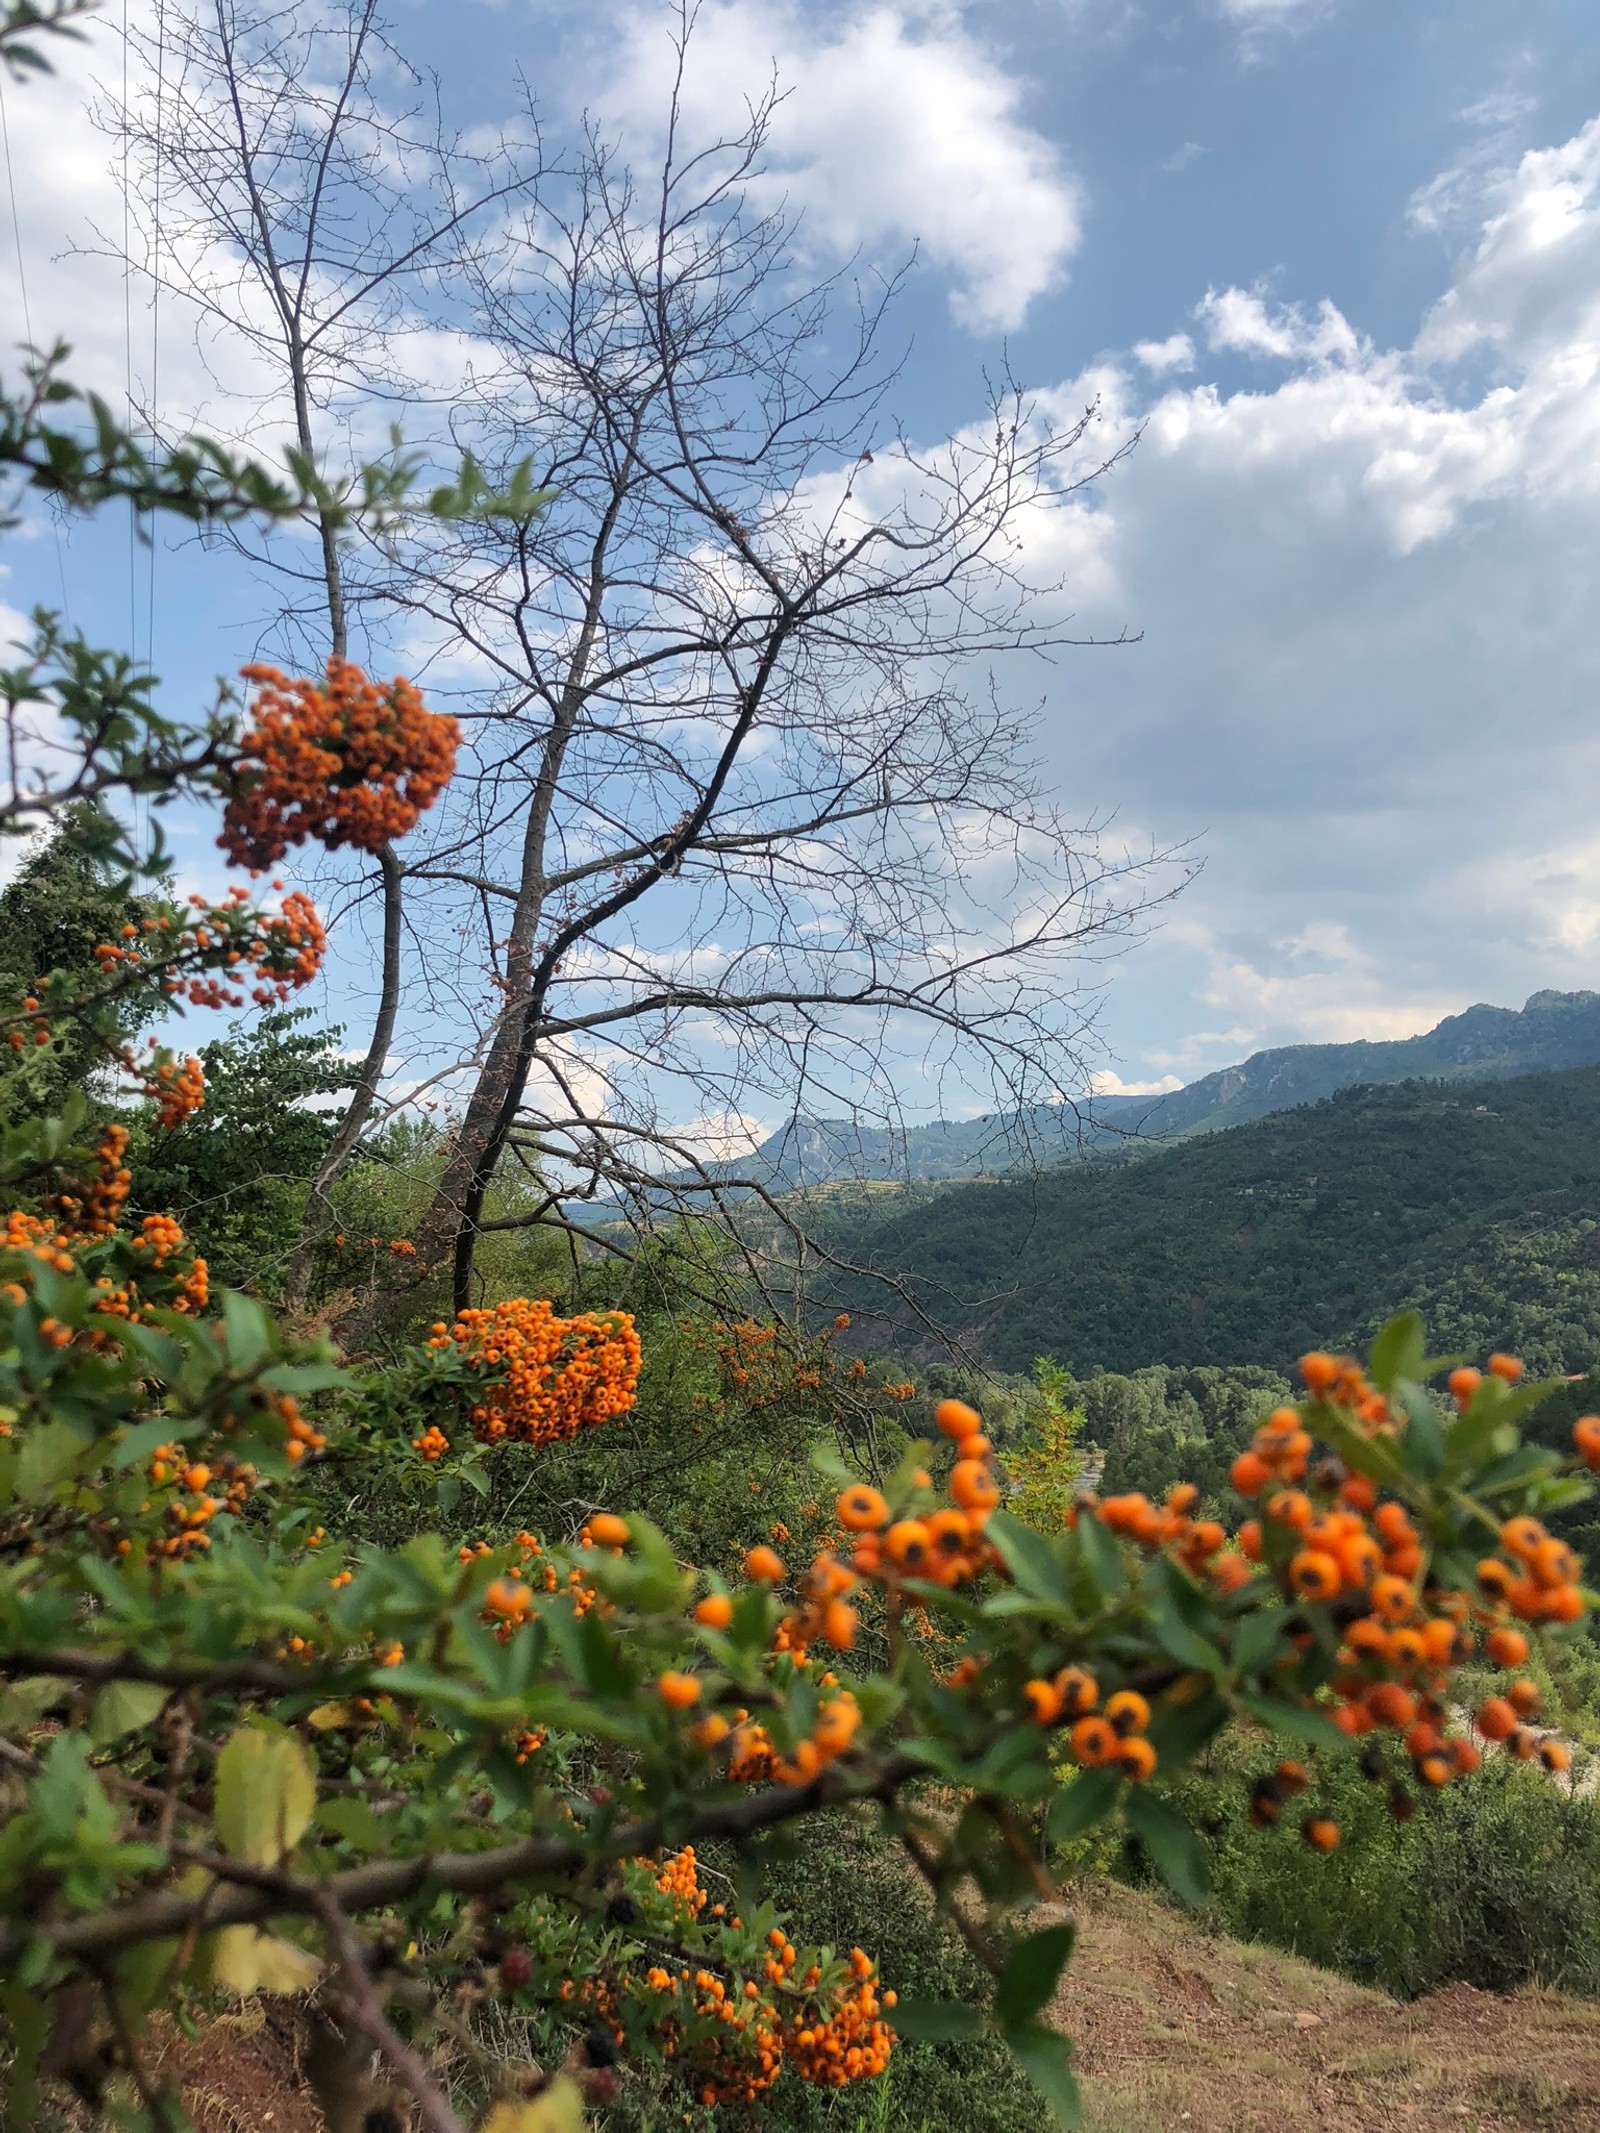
(363, 2004)
(255, 1894)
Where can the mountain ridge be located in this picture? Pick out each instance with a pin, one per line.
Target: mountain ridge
(1551, 1032)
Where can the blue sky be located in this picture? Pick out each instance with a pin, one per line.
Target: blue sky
(1342, 259)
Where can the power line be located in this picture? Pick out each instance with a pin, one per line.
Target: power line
(27, 315)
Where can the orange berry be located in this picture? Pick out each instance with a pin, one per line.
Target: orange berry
(1320, 1833)
(862, 1509)
(1135, 1758)
(606, 1530)
(973, 1486)
(764, 1564)
(1314, 1575)
(1080, 1692)
(1360, 1492)
(678, 1691)
(1391, 1705)
(1093, 1742)
(1044, 1701)
(1393, 1597)
(909, 1543)
(1250, 1473)
(977, 1446)
(1523, 1697)
(1464, 1754)
(1522, 1537)
(1250, 1539)
(957, 1420)
(715, 1611)
(1318, 1370)
(1555, 1755)
(1463, 1383)
(1435, 1769)
(1508, 1368)
(1507, 1647)
(839, 1620)
(1586, 1436)
(1497, 1719)
(1127, 1712)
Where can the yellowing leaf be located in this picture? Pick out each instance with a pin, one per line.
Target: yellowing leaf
(246, 1961)
(266, 1794)
(328, 1715)
(558, 2110)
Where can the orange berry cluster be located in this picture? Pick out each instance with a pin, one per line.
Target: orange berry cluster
(302, 1437)
(284, 949)
(343, 760)
(432, 1444)
(831, 2035)
(544, 1378)
(178, 1089)
(1110, 1738)
(98, 1211)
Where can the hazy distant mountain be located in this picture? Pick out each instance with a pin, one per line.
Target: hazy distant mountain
(1554, 1030)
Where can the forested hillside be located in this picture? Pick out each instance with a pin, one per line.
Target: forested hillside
(1551, 1031)
(1479, 1204)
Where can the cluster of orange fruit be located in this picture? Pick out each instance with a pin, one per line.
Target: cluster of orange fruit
(177, 1087)
(284, 949)
(344, 760)
(544, 1378)
(195, 1501)
(830, 2037)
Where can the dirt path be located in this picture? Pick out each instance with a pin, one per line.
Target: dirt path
(1179, 2033)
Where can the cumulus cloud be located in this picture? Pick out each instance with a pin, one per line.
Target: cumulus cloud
(1369, 667)
(896, 128)
(1176, 352)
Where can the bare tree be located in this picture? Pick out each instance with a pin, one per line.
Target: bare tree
(297, 187)
(734, 823)
(743, 819)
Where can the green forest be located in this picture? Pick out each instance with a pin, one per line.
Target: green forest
(1476, 1205)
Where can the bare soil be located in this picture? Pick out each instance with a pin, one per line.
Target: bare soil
(1178, 2030)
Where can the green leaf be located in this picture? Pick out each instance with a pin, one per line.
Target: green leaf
(1184, 1644)
(1179, 1730)
(1101, 1556)
(1399, 1351)
(248, 1330)
(1046, 2059)
(1177, 1852)
(1081, 1802)
(266, 1794)
(50, 1452)
(124, 1707)
(1029, 1557)
(1297, 1720)
(1423, 1442)
(1033, 1970)
(937, 2021)
(1257, 1637)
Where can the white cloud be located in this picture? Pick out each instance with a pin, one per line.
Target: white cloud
(1176, 352)
(1369, 671)
(1242, 320)
(897, 128)
(1106, 1083)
